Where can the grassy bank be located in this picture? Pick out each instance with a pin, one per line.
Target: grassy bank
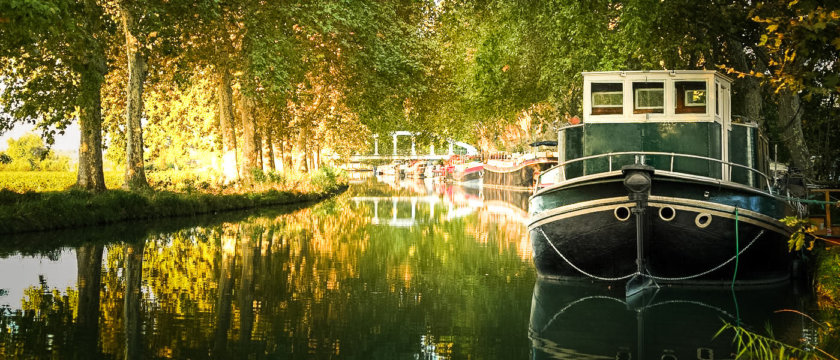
(47, 210)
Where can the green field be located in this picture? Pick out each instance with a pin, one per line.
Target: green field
(169, 180)
(23, 181)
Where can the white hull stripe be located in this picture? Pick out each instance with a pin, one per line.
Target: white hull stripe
(609, 204)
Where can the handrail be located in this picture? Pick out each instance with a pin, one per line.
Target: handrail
(609, 157)
(570, 126)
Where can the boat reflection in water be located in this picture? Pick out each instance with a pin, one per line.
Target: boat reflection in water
(578, 320)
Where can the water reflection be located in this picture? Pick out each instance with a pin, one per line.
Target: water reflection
(582, 320)
(326, 281)
(398, 270)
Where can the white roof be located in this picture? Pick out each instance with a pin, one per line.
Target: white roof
(656, 72)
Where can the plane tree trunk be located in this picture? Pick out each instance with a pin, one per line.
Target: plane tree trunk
(790, 122)
(90, 175)
(250, 139)
(227, 127)
(270, 140)
(135, 175)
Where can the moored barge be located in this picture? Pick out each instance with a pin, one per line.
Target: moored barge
(659, 184)
(521, 173)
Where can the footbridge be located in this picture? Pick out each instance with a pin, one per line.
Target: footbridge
(455, 148)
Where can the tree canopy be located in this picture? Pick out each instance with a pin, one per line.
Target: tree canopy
(272, 86)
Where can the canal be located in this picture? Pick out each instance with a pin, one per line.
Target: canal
(387, 270)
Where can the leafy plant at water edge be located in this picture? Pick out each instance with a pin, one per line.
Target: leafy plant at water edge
(827, 289)
(327, 178)
(802, 231)
(754, 346)
(802, 228)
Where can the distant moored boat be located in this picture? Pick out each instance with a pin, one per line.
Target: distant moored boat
(522, 171)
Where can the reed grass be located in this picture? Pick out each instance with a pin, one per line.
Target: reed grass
(751, 345)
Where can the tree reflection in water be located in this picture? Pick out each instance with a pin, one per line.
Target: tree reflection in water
(318, 282)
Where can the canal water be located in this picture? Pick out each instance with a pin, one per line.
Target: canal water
(387, 270)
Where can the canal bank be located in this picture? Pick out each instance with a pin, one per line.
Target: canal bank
(41, 211)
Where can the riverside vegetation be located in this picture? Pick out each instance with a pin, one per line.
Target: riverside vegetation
(34, 201)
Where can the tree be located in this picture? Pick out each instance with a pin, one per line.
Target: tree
(29, 153)
(52, 64)
(801, 40)
(132, 14)
(515, 64)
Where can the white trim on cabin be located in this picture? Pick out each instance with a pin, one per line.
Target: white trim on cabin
(668, 78)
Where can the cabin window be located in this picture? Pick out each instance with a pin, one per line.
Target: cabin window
(607, 98)
(648, 97)
(690, 97)
(717, 99)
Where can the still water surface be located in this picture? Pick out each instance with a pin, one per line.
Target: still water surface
(399, 270)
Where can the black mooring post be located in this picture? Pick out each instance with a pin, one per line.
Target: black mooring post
(637, 180)
(639, 210)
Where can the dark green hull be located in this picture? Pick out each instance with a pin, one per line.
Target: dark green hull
(586, 230)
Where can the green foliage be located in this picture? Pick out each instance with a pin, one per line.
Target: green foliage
(751, 345)
(29, 153)
(802, 39)
(47, 47)
(827, 289)
(26, 181)
(328, 178)
(803, 231)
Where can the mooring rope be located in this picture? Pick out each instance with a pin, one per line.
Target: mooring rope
(810, 201)
(712, 269)
(577, 268)
(689, 277)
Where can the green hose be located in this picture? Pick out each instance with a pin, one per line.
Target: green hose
(737, 249)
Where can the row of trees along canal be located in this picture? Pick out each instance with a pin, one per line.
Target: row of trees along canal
(258, 78)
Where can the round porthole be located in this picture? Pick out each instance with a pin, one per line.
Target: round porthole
(667, 213)
(622, 213)
(703, 220)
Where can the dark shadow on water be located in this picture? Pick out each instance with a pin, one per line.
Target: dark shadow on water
(581, 319)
